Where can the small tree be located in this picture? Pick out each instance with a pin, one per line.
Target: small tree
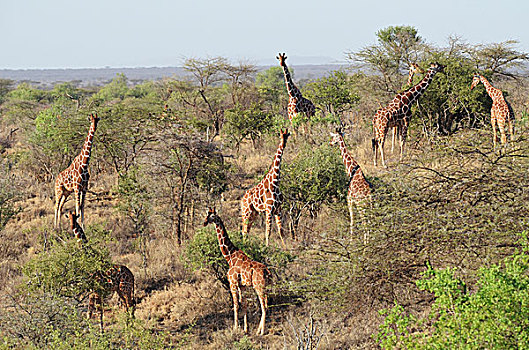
(314, 177)
(249, 122)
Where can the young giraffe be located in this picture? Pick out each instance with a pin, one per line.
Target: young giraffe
(500, 112)
(117, 278)
(359, 192)
(412, 70)
(398, 113)
(296, 102)
(242, 272)
(75, 177)
(265, 196)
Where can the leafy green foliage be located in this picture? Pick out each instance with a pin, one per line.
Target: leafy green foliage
(448, 104)
(53, 322)
(249, 122)
(334, 93)
(56, 140)
(66, 269)
(314, 177)
(117, 89)
(203, 252)
(271, 84)
(493, 316)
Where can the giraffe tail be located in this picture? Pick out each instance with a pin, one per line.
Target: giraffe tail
(374, 144)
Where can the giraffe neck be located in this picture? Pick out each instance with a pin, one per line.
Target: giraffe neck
(491, 90)
(84, 156)
(420, 88)
(227, 248)
(293, 91)
(348, 161)
(275, 168)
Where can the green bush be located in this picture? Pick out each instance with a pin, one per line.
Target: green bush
(491, 315)
(65, 269)
(313, 178)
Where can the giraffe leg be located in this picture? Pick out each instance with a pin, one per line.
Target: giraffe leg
(247, 222)
(58, 198)
(493, 122)
(263, 300)
(62, 199)
(351, 215)
(381, 149)
(244, 308)
(403, 133)
(234, 288)
(511, 128)
(503, 136)
(81, 205)
(394, 133)
(280, 228)
(268, 226)
(77, 196)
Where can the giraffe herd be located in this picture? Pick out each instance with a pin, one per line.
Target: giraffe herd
(265, 195)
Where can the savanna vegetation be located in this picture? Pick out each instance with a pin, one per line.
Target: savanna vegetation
(447, 258)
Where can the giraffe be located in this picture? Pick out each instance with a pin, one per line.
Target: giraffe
(412, 70)
(242, 272)
(75, 177)
(398, 113)
(265, 196)
(500, 112)
(296, 102)
(359, 192)
(115, 278)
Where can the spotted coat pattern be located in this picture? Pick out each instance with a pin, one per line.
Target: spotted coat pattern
(75, 177)
(296, 102)
(265, 196)
(398, 113)
(501, 112)
(359, 192)
(243, 272)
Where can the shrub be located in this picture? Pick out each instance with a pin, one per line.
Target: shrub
(492, 315)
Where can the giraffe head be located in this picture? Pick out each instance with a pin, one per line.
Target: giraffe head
(211, 217)
(335, 137)
(475, 81)
(436, 67)
(284, 136)
(282, 57)
(94, 118)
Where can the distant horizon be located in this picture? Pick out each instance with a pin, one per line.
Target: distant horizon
(293, 61)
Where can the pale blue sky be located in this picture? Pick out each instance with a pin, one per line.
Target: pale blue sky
(131, 33)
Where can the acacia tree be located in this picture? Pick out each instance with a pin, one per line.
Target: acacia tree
(216, 86)
(333, 93)
(184, 165)
(397, 48)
